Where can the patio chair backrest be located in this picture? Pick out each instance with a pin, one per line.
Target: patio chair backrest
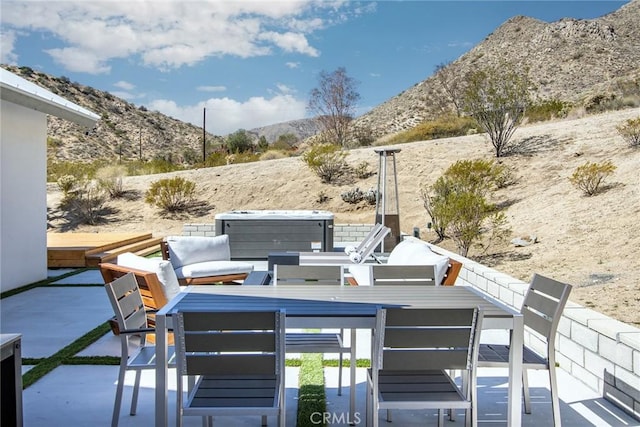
(543, 305)
(432, 339)
(230, 343)
(332, 275)
(371, 244)
(386, 274)
(126, 301)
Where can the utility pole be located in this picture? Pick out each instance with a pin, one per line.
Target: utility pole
(204, 135)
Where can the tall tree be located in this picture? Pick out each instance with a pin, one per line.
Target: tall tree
(334, 102)
(497, 98)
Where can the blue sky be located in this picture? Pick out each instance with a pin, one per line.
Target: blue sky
(253, 63)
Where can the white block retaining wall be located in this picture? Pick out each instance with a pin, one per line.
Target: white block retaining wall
(598, 350)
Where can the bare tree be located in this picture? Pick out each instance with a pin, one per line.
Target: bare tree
(497, 98)
(452, 86)
(334, 102)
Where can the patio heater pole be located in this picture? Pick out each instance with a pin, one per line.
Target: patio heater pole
(387, 202)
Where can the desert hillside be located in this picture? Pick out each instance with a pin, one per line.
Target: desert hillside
(590, 242)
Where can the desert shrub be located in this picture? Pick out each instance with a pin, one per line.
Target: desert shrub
(504, 175)
(355, 196)
(352, 196)
(153, 166)
(547, 110)
(171, 194)
(326, 161)
(66, 184)
(322, 197)
(590, 176)
(85, 200)
(243, 157)
(217, 158)
(273, 155)
(363, 170)
(81, 170)
(630, 131)
(459, 204)
(110, 180)
(442, 127)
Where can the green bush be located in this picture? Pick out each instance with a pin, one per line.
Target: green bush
(442, 127)
(547, 110)
(590, 176)
(459, 207)
(630, 131)
(326, 160)
(171, 194)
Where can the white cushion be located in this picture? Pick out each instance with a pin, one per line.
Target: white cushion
(185, 250)
(213, 268)
(408, 252)
(416, 252)
(362, 274)
(163, 269)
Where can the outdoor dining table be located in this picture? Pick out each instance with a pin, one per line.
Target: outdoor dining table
(349, 307)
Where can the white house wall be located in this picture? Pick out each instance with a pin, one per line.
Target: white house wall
(23, 196)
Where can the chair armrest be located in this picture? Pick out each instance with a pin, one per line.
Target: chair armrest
(150, 287)
(139, 331)
(452, 272)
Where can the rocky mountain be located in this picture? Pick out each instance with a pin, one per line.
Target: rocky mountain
(124, 129)
(302, 128)
(579, 61)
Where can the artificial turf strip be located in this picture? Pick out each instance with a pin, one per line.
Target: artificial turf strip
(43, 282)
(311, 395)
(61, 357)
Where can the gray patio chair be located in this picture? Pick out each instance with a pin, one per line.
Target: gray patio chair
(238, 361)
(541, 310)
(413, 351)
(126, 300)
(385, 274)
(314, 342)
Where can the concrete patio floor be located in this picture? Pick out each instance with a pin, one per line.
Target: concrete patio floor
(53, 316)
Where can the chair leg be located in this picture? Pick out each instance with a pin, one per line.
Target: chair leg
(134, 397)
(555, 400)
(525, 392)
(119, 392)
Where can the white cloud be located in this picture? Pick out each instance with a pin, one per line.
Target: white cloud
(225, 115)
(211, 88)
(7, 40)
(124, 95)
(168, 34)
(124, 85)
(292, 64)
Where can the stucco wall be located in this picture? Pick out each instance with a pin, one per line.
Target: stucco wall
(23, 196)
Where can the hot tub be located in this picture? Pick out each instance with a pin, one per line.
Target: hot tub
(255, 233)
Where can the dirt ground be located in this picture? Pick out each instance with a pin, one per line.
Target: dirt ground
(591, 242)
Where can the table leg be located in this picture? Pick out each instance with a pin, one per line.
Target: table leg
(514, 416)
(352, 378)
(162, 372)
